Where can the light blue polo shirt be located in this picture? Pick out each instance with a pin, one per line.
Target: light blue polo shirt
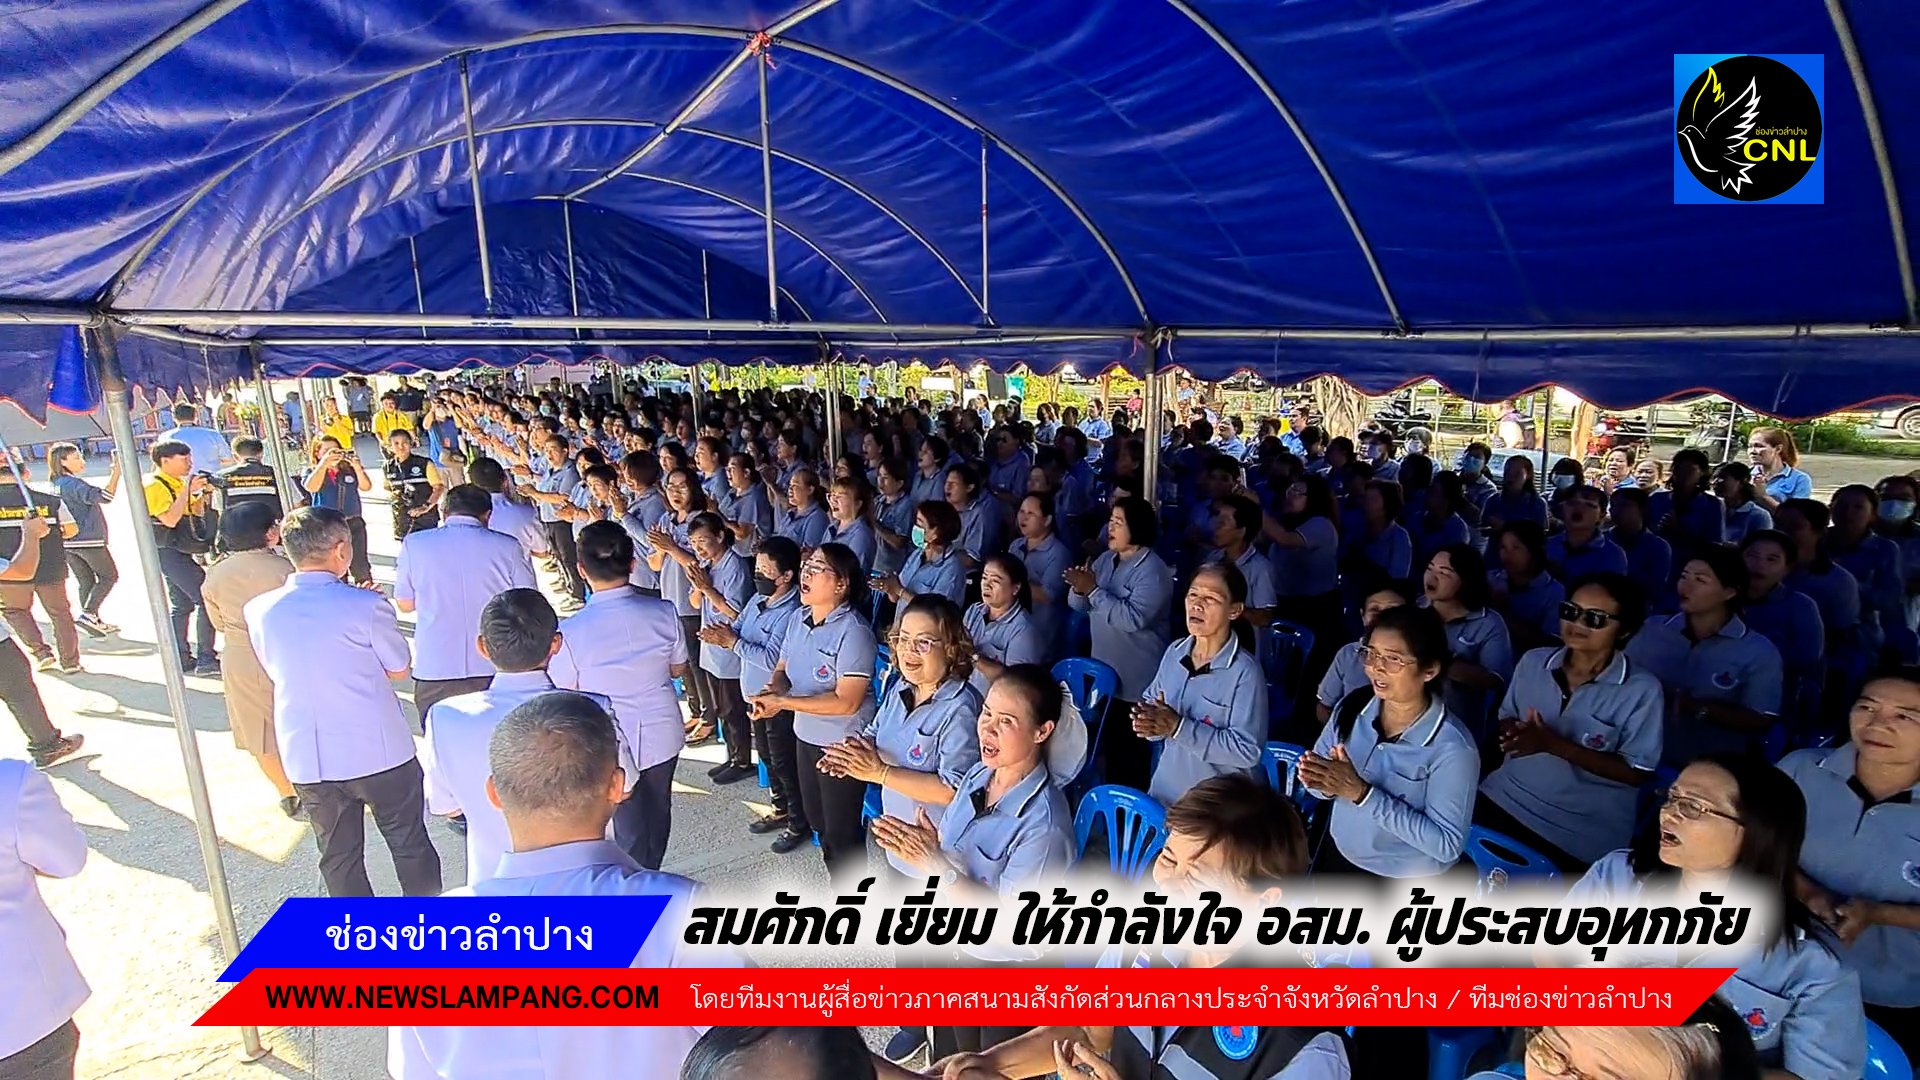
(807, 528)
(1011, 639)
(1429, 537)
(732, 575)
(1391, 551)
(817, 658)
(895, 516)
(939, 736)
(1010, 476)
(926, 488)
(1649, 562)
(1262, 591)
(1736, 665)
(1024, 840)
(674, 585)
(980, 528)
(762, 629)
(1127, 611)
(1837, 595)
(1570, 562)
(1514, 506)
(553, 481)
(644, 513)
(750, 507)
(1792, 622)
(858, 537)
(1313, 570)
(1746, 518)
(1868, 852)
(1414, 821)
(1620, 712)
(945, 576)
(1222, 707)
(1801, 1005)
(1791, 483)
(1536, 604)
(1875, 566)
(1345, 675)
(1046, 568)
(1478, 637)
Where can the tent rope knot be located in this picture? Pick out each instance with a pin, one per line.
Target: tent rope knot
(761, 45)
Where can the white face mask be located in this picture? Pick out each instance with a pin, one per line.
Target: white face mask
(1562, 483)
(1415, 446)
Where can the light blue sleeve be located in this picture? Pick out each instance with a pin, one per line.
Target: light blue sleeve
(1760, 691)
(1800, 486)
(1038, 855)
(1511, 707)
(856, 651)
(1643, 730)
(958, 748)
(1825, 1030)
(1026, 647)
(1496, 652)
(1261, 591)
(1238, 738)
(1146, 597)
(1440, 830)
(1399, 554)
(952, 582)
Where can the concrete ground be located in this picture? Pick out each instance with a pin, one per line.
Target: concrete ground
(138, 917)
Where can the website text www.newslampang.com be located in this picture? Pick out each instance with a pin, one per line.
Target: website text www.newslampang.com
(427, 995)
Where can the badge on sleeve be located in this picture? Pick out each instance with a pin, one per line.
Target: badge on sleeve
(1595, 741)
(1911, 872)
(1236, 1042)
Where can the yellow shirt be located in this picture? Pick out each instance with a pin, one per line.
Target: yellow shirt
(161, 491)
(340, 430)
(386, 423)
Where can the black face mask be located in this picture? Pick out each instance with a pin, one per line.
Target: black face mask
(764, 585)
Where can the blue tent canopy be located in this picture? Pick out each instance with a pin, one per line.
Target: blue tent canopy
(1406, 189)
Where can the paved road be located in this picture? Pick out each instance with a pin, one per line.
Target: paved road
(138, 917)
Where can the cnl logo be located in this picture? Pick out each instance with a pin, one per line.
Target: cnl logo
(1747, 129)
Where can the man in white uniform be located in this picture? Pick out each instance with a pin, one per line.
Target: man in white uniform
(445, 576)
(557, 779)
(519, 633)
(333, 652)
(40, 986)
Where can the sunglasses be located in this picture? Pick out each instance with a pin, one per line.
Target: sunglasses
(1591, 618)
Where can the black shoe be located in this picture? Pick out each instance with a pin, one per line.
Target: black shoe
(905, 1043)
(91, 624)
(207, 668)
(787, 841)
(733, 774)
(765, 825)
(68, 746)
(290, 806)
(714, 773)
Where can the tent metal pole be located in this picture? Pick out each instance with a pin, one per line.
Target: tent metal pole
(419, 290)
(1152, 426)
(473, 177)
(831, 400)
(120, 419)
(766, 185)
(986, 306)
(706, 289)
(270, 426)
(540, 342)
(1571, 333)
(402, 321)
(1843, 29)
(573, 279)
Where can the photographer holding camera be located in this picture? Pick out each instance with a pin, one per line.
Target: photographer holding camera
(336, 482)
(184, 526)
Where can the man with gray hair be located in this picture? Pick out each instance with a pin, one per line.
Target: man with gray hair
(333, 652)
(557, 779)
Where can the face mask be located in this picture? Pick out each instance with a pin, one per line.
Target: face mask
(1895, 511)
(919, 537)
(764, 585)
(1562, 483)
(1415, 446)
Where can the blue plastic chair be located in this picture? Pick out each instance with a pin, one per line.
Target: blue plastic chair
(1885, 1059)
(1284, 650)
(1450, 1049)
(1281, 759)
(1498, 858)
(1136, 827)
(1091, 686)
(882, 670)
(1513, 1068)
(870, 807)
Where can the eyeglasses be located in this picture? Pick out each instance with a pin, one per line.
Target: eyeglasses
(810, 569)
(1391, 663)
(918, 646)
(1692, 808)
(1591, 618)
(1550, 1059)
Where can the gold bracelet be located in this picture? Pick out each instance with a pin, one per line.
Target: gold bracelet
(885, 771)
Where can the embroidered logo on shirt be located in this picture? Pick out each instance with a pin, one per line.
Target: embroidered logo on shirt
(1757, 1022)
(1911, 872)
(1725, 680)
(1236, 1042)
(917, 754)
(1595, 741)
(823, 672)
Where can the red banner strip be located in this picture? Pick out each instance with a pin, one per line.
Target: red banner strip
(1001, 997)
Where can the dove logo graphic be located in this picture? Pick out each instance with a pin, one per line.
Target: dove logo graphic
(1748, 129)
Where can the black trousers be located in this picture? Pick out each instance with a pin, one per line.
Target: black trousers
(833, 805)
(731, 709)
(95, 574)
(697, 682)
(1126, 758)
(360, 570)
(337, 809)
(184, 578)
(49, 1059)
(430, 692)
(404, 523)
(23, 699)
(773, 738)
(641, 824)
(567, 554)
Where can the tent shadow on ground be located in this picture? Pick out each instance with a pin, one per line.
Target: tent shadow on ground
(148, 697)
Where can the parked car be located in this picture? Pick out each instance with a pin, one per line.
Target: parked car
(1903, 420)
